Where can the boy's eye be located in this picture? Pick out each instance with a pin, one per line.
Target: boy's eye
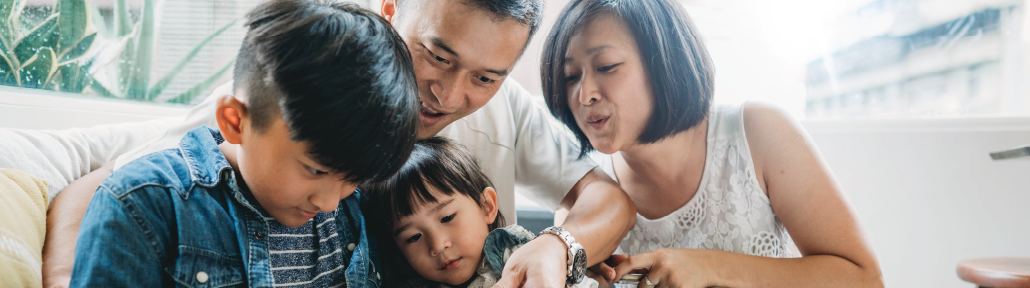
(316, 172)
(414, 238)
(447, 218)
(440, 59)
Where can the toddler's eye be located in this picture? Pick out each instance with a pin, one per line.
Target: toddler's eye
(447, 218)
(414, 238)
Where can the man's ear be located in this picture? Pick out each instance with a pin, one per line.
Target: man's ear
(489, 204)
(389, 10)
(232, 116)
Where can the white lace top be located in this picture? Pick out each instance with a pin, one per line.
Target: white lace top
(730, 212)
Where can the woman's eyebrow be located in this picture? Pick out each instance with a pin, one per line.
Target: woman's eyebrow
(591, 51)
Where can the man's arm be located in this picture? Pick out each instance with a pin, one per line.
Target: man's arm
(599, 216)
(62, 226)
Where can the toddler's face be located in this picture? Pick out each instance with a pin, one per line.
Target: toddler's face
(443, 241)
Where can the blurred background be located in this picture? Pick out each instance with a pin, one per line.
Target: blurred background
(904, 98)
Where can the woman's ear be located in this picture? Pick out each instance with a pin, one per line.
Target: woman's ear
(389, 10)
(232, 118)
(489, 204)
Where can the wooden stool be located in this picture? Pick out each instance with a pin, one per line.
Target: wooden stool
(996, 272)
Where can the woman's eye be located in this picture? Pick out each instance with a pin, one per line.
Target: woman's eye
(316, 172)
(608, 68)
(414, 238)
(571, 78)
(447, 218)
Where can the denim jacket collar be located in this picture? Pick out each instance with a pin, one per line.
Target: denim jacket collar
(205, 160)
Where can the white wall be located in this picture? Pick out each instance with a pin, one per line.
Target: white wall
(929, 194)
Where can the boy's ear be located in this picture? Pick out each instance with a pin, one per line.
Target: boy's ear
(490, 204)
(389, 10)
(232, 116)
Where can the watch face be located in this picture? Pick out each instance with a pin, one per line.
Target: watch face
(580, 264)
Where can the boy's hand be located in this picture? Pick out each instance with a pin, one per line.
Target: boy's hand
(539, 263)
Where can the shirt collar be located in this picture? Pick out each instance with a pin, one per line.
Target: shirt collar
(200, 149)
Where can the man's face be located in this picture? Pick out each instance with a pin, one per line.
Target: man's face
(461, 55)
(283, 178)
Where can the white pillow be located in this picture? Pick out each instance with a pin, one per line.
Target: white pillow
(61, 156)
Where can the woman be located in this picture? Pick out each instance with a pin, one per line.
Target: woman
(732, 196)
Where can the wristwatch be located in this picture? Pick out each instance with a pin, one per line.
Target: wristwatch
(577, 257)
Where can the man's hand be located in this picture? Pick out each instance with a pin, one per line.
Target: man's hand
(539, 263)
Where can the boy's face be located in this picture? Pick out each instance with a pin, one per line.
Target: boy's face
(461, 54)
(443, 241)
(287, 183)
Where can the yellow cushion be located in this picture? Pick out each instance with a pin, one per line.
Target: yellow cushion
(23, 205)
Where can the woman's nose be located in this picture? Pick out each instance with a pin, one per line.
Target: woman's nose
(588, 93)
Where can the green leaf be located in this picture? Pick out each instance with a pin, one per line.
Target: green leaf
(139, 81)
(101, 90)
(73, 22)
(80, 47)
(10, 10)
(38, 68)
(43, 36)
(7, 73)
(73, 77)
(170, 75)
(122, 19)
(189, 95)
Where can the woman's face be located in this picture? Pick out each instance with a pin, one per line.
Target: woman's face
(607, 84)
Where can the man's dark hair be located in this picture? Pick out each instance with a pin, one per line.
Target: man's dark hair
(525, 12)
(674, 56)
(341, 79)
(445, 165)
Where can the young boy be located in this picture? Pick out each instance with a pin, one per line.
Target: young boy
(438, 221)
(327, 100)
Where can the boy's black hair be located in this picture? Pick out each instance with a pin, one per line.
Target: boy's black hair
(443, 164)
(339, 76)
(681, 71)
(526, 12)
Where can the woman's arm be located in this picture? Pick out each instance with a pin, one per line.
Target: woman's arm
(809, 202)
(62, 226)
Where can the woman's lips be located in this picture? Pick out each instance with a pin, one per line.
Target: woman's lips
(597, 122)
(451, 264)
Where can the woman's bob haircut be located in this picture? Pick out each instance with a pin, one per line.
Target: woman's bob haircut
(676, 60)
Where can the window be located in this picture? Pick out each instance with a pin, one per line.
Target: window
(146, 50)
(857, 59)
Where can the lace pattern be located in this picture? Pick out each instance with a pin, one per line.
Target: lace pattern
(730, 212)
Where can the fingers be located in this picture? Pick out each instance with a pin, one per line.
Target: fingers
(602, 270)
(642, 261)
(616, 259)
(506, 282)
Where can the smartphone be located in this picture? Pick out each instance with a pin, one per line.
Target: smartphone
(628, 281)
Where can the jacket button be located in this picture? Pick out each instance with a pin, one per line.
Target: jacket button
(350, 247)
(259, 235)
(377, 276)
(202, 277)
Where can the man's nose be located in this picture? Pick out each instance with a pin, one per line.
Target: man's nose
(450, 92)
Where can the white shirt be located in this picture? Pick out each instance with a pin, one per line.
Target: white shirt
(517, 143)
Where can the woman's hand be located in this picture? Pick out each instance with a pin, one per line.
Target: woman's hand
(667, 268)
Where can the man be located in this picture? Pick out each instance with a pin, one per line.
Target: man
(462, 51)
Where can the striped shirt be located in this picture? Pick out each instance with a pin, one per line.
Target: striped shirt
(307, 256)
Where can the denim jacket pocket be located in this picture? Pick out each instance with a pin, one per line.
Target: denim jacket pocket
(200, 268)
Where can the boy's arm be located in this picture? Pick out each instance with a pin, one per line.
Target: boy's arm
(112, 250)
(62, 226)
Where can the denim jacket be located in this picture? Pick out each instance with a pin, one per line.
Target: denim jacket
(177, 218)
